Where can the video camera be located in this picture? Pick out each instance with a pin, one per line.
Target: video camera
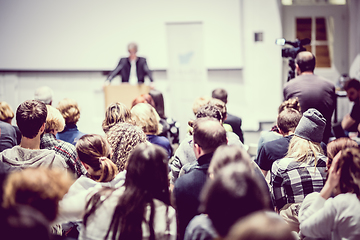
(298, 46)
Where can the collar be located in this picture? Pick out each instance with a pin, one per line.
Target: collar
(205, 159)
(70, 126)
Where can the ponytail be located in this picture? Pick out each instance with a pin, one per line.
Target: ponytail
(108, 170)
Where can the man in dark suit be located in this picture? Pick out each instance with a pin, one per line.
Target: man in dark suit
(233, 121)
(132, 69)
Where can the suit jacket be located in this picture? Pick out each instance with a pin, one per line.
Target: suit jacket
(235, 123)
(123, 69)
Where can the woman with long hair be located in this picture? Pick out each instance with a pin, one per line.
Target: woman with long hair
(141, 208)
(335, 218)
(116, 112)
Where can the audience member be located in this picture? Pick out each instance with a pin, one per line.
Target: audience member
(234, 193)
(234, 121)
(334, 147)
(271, 151)
(141, 208)
(123, 138)
(40, 188)
(94, 152)
(8, 133)
(302, 171)
(313, 91)
(31, 120)
(55, 123)
(261, 225)
(44, 94)
(185, 155)
(146, 117)
(69, 109)
(201, 227)
(143, 98)
(274, 133)
(335, 218)
(116, 112)
(23, 222)
(351, 122)
(199, 102)
(208, 134)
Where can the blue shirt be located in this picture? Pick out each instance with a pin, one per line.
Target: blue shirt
(70, 134)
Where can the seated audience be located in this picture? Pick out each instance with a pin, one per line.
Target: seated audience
(274, 133)
(234, 121)
(208, 134)
(138, 210)
(351, 121)
(31, 120)
(185, 155)
(69, 109)
(116, 112)
(261, 226)
(55, 123)
(9, 135)
(94, 153)
(40, 188)
(201, 227)
(271, 151)
(303, 170)
(123, 138)
(335, 218)
(44, 94)
(146, 117)
(234, 193)
(23, 222)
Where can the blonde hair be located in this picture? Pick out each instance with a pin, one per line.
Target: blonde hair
(94, 150)
(303, 150)
(116, 112)
(146, 117)
(40, 188)
(69, 109)
(199, 102)
(123, 138)
(6, 113)
(54, 120)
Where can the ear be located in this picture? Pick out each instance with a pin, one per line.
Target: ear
(298, 71)
(280, 131)
(42, 129)
(197, 150)
(85, 165)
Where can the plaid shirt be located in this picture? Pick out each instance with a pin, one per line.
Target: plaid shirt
(292, 181)
(66, 150)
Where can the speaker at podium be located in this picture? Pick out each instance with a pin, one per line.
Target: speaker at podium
(124, 93)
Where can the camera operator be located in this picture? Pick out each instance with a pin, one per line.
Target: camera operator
(312, 91)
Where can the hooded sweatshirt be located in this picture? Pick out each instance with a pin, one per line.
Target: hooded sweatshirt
(25, 158)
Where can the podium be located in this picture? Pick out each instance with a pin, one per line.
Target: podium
(124, 93)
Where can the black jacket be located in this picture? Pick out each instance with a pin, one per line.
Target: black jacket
(123, 69)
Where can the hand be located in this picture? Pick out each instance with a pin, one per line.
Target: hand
(334, 172)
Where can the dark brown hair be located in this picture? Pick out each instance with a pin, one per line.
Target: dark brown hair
(350, 171)
(288, 120)
(209, 134)
(336, 146)
(30, 116)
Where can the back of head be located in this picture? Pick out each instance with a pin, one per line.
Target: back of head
(116, 112)
(23, 222)
(44, 94)
(123, 138)
(6, 113)
(352, 83)
(221, 106)
(290, 103)
(54, 120)
(209, 134)
(94, 150)
(288, 120)
(306, 61)
(234, 193)
(350, 171)
(336, 146)
(70, 110)
(199, 102)
(209, 111)
(147, 171)
(226, 154)
(143, 98)
(146, 117)
(30, 116)
(261, 226)
(40, 188)
(221, 94)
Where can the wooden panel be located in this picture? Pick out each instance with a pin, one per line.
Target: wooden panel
(322, 56)
(124, 93)
(321, 29)
(303, 28)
